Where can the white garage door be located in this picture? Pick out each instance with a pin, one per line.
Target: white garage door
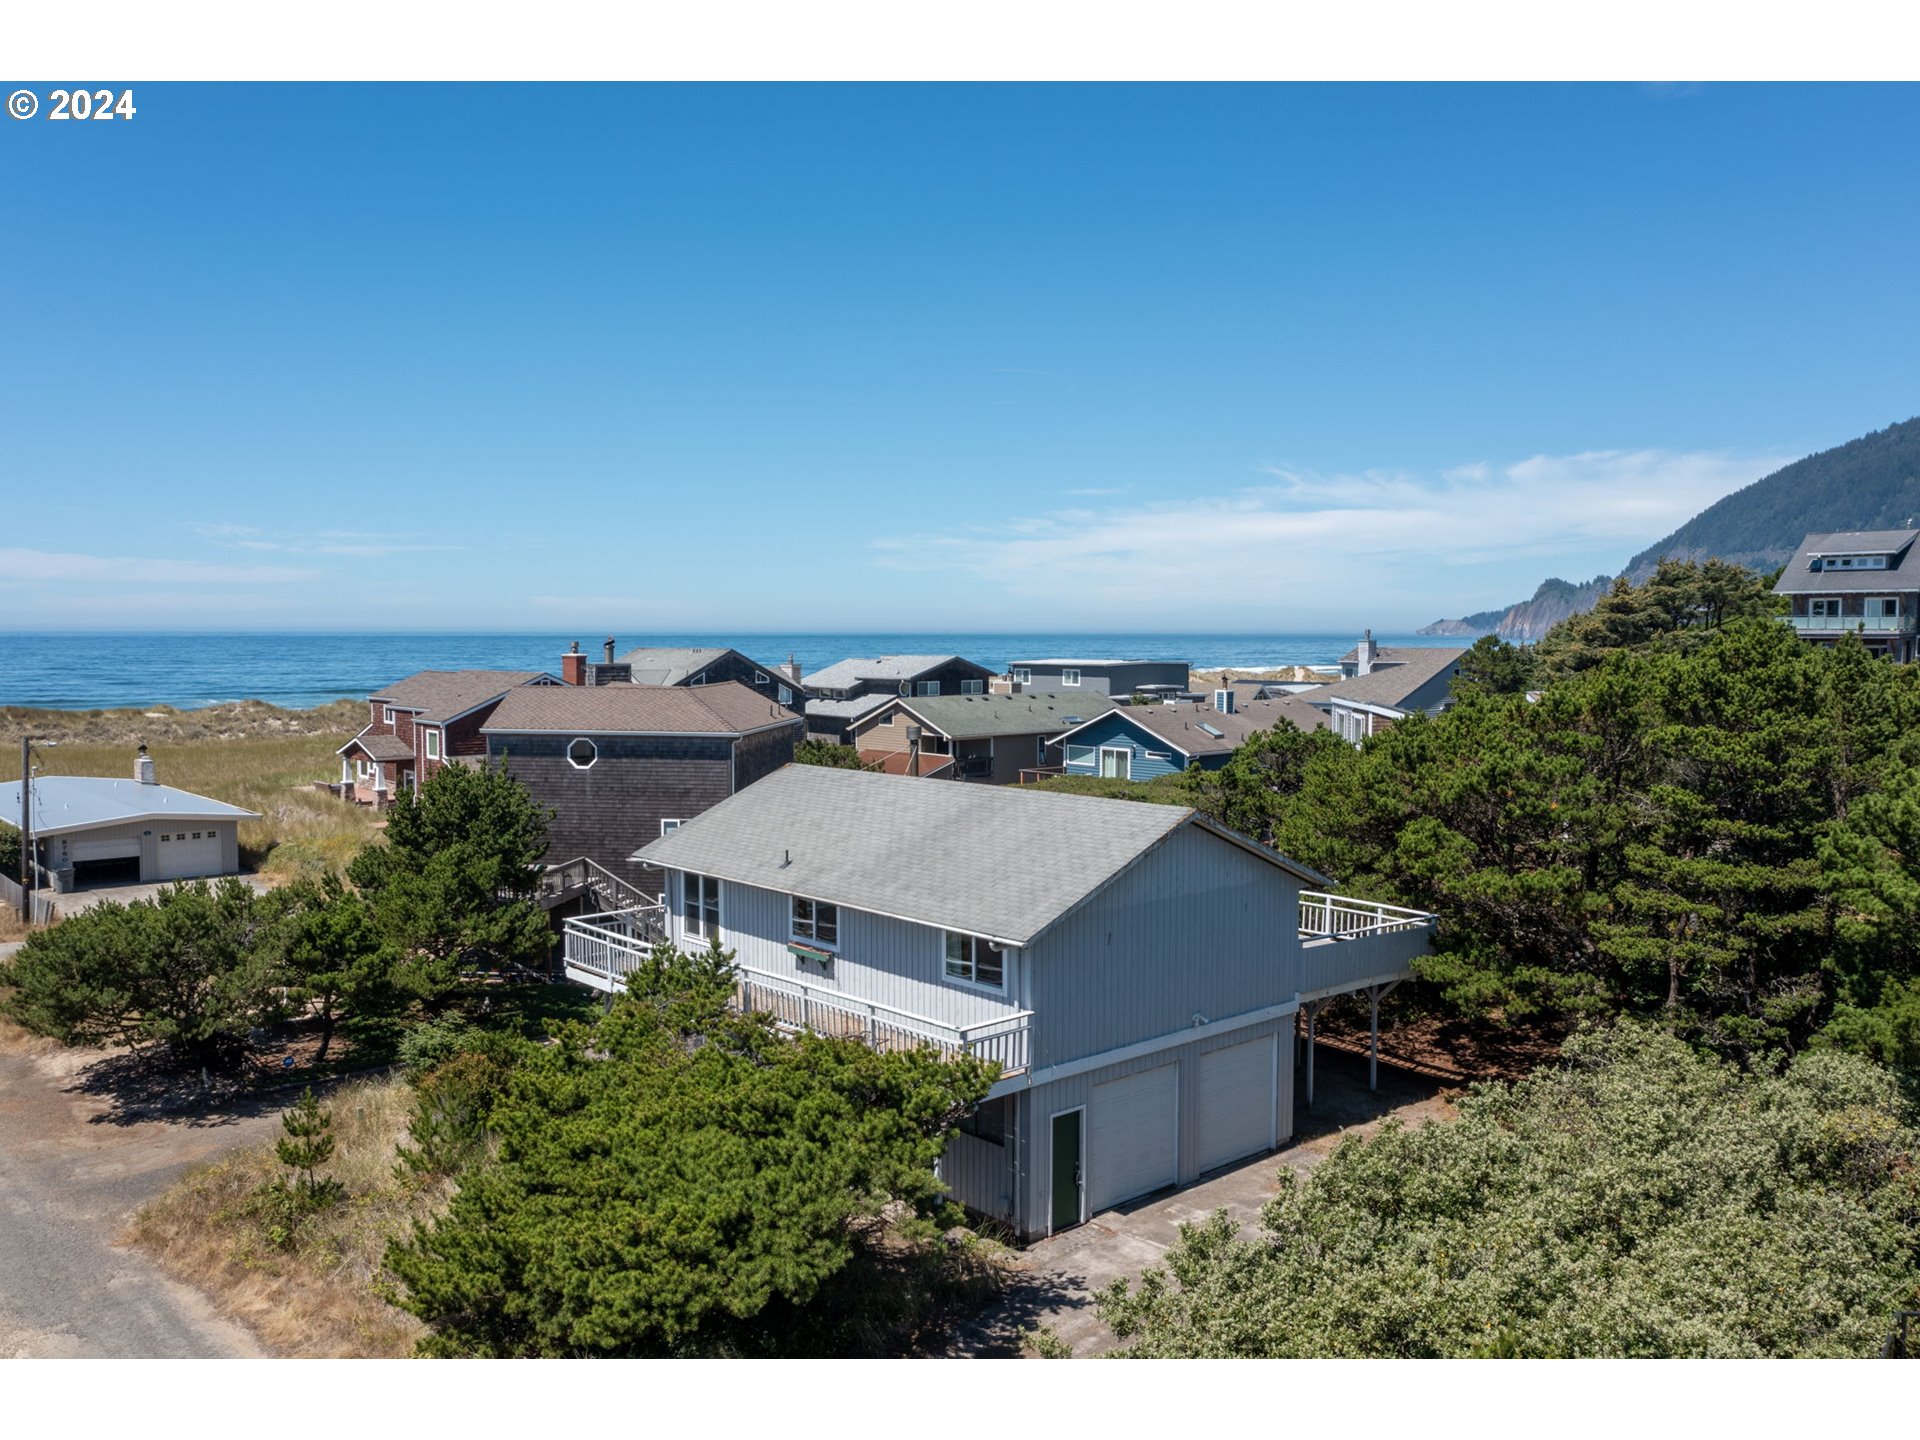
(187, 853)
(1234, 1094)
(103, 850)
(1132, 1136)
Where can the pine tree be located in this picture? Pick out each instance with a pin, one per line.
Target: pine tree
(307, 1145)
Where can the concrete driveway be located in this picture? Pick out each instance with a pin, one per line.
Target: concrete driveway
(72, 902)
(72, 1172)
(1059, 1276)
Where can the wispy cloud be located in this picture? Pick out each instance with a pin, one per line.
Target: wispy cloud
(356, 544)
(1306, 536)
(1099, 490)
(45, 565)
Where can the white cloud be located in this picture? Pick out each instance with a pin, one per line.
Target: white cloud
(1309, 543)
(46, 565)
(354, 544)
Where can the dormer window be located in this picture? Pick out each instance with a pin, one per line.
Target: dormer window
(1851, 562)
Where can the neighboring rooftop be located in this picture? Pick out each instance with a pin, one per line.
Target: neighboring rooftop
(1195, 728)
(1799, 577)
(990, 860)
(668, 664)
(729, 708)
(1090, 664)
(82, 802)
(379, 746)
(1393, 685)
(442, 695)
(848, 709)
(1382, 655)
(976, 717)
(899, 762)
(844, 674)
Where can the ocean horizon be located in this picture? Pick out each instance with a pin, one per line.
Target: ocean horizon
(299, 670)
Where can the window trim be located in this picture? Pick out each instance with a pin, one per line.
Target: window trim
(432, 743)
(794, 902)
(1066, 684)
(718, 927)
(667, 827)
(786, 695)
(586, 740)
(759, 677)
(946, 961)
(387, 714)
(973, 687)
(926, 687)
(1022, 676)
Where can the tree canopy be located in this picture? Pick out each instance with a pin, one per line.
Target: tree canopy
(1636, 1199)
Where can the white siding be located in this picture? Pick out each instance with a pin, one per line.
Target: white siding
(1234, 1103)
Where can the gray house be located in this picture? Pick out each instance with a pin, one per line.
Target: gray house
(1385, 687)
(93, 830)
(1136, 970)
(1105, 677)
(1864, 581)
(848, 690)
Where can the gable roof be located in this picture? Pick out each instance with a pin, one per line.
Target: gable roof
(443, 695)
(1800, 578)
(1180, 726)
(847, 709)
(843, 674)
(66, 803)
(379, 745)
(990, 860)
(982, 717)
(1395, 684)
(669, 664)
(729, 708)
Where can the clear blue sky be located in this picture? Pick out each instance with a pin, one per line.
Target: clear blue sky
(984, 357)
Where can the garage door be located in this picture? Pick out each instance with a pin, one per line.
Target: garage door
(1234, 1095)
(103, 850)
(187, 853)
(1133, 1136)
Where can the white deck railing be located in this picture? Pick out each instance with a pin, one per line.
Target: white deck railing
(1871, 624)
(1339, 916)
(603, 949)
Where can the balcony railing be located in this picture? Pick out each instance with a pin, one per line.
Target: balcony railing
(1867, 624)
(601, 950)
(1346, 944)
(1341, 916)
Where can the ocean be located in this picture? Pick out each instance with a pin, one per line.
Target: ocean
(104, 671)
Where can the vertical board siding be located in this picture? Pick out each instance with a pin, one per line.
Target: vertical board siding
(1326, 964)
(890, 962)
(1043, 1101)
(981, 1175)
(1197, 926)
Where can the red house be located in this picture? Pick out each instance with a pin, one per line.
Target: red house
(421, 723)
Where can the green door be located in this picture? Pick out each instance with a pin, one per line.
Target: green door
(1066, 1169)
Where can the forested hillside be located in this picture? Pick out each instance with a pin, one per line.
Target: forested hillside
(1872, 483)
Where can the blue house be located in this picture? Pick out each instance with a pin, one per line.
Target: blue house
(1138, 742)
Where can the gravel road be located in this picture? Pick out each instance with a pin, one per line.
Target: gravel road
(70, 1180)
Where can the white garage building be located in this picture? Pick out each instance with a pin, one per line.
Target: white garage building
(1136, 970)
(93, 830)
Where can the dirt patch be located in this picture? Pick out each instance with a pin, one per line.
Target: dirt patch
(1445, 1048)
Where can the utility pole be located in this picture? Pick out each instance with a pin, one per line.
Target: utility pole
(26, 830)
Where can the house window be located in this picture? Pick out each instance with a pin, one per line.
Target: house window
(928, 687)
(1023, 677)
(786, 696)
(667, 827)
(973, 687)
(700, 905)
(1826, 606)
(699, 679)
(1069, 677)
(973, 960)
(165, 838)
(906, 687)
(816, 922)
(433, 744)
(582, 753)
(1882, 608)
(986, 1121)
(887, 719)
(758, 678)
(389, 714)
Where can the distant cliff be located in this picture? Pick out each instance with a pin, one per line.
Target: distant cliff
(1872, 483)
(1554, 601)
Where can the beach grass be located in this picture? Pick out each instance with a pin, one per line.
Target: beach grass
(253, 755)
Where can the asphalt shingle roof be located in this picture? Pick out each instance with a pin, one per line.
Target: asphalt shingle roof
(380, 746)
(63, 803)
(1799, 578)
(1393, 685)
(725, 709)
(845, 674)
(1179, 725)
(979, 717)
(439, 695)
(990, 860)
(847, 709)
(668, 664)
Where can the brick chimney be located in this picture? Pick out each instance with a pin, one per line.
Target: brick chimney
(1365, 655)
(573, 666)
(143, 768)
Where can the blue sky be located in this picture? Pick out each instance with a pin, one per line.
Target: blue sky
(975, 357)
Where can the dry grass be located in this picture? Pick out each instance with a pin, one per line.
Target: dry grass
(321, 1297)
(302, 831)
(12, 927)
(240, 719)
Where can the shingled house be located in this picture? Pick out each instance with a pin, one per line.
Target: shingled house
(1386, 686)
(1138, 742)
(1858, 581)
(685, 665)
(988, 738)
(848, 690)
(618, 761)
(418, 724)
